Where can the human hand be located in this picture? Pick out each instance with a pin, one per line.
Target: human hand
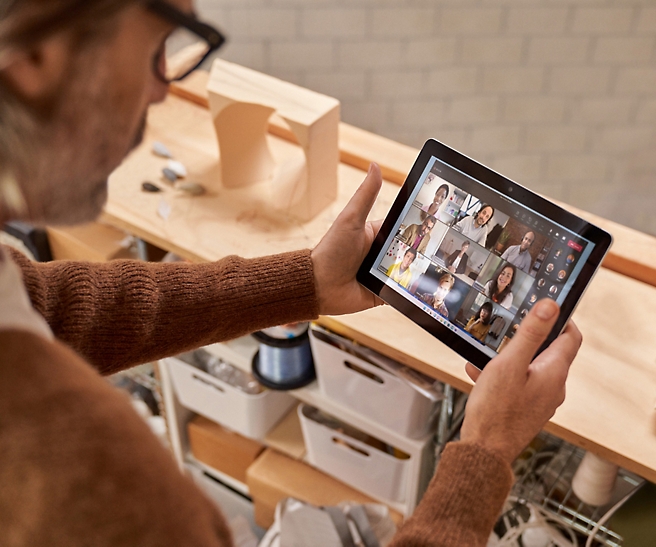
(340, 252)
(513, 397)
(451, 269)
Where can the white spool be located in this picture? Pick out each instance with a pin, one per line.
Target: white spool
(594, 480)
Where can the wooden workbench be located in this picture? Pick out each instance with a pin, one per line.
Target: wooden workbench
(611, 399)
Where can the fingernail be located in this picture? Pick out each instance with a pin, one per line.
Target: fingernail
(371, 168)
(546, 309)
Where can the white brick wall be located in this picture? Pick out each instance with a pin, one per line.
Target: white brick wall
(558, 94)
(467, 20)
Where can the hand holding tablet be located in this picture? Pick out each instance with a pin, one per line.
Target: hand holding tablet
(516, 395)
(466, 253)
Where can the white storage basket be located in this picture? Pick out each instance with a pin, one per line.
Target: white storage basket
(365, 467)
(369, 389)
(251, 415)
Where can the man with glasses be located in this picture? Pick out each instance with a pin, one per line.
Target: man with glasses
(76, 465)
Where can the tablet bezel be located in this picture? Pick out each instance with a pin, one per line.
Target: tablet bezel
(601, 239)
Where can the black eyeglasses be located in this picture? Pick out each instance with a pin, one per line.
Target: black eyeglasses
(198, 40)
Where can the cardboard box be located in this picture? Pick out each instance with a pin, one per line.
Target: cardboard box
(274, 477)
(94, 242)
(287, 437)
(220, 448)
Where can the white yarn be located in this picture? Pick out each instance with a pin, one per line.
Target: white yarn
(541, 530)
(607, 516)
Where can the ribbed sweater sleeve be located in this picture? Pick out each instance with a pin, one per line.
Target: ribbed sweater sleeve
(463, 500)
(121, 313)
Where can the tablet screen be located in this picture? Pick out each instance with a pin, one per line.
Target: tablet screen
(474, 259)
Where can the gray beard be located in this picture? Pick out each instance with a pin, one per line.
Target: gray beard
(67, 184)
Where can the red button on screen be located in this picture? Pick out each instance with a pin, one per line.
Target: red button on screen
(574, 246)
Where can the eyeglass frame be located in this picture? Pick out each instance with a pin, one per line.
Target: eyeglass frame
(173, 15)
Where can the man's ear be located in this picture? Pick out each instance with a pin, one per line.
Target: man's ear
(35, 73)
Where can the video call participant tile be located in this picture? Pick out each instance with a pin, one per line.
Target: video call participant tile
(441, 290)
(522, 246)
(479, 221)
(483, 319)
(424, 235)
(439, 198)
(503, 283)
(461, 256)
(403, 264)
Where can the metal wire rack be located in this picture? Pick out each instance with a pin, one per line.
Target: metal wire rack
(544, 477)
(139, 377)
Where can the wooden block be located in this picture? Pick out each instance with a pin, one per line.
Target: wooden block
(287, 436)
(220, 448)
(94, 242)
(274, 477)
(242, 101)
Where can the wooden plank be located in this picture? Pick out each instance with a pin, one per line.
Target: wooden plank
(611, 396)
(633, 253)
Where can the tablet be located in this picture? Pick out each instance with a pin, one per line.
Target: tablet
(465, 253)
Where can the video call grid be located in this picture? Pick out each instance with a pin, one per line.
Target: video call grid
(456, 212)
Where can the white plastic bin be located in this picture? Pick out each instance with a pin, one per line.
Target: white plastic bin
(372, 391)
(336, 451)
(250, 415)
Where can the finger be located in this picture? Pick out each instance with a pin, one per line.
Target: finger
(567, 345)
(554, 362)
(472, 372)
(532, 332)
(357, 209)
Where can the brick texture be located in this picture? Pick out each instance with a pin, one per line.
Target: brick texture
(559, 95)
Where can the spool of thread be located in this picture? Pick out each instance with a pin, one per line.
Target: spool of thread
(284, 359)
(594, 480)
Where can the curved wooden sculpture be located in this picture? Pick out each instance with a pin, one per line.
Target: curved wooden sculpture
(242, 101)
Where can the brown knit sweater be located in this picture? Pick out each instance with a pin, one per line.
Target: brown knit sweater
(76, 467)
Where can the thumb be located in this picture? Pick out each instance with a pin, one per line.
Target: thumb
(472, 372)
(357, 209)
(532, 332)
(376, 225)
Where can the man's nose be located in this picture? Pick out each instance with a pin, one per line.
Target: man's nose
(158, 91)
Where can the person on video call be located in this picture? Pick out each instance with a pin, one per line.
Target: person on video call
(78, 467)
(518, 255)
(417, 236)
(456, 262)
(479, 324)
(400, 271)
(430, 209)
(436, 299)
(499, 288)
(475, 226)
